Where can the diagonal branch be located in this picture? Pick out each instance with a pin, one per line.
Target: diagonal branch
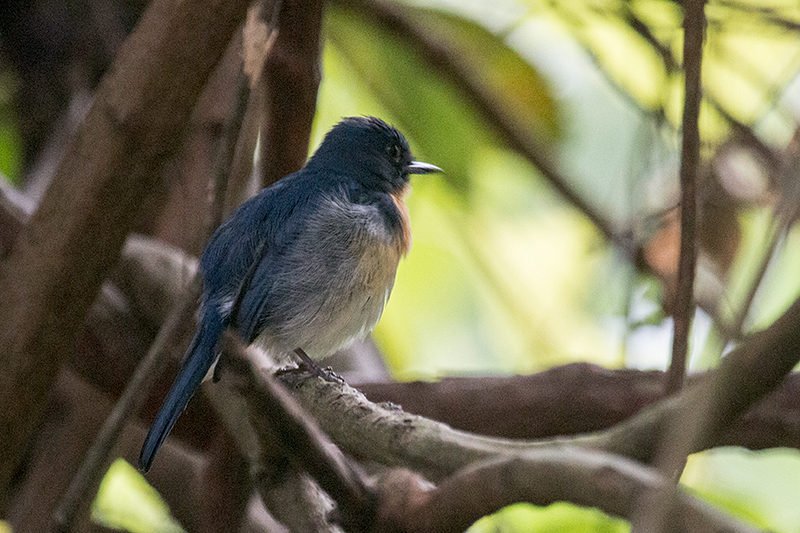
(62, 255)
(281, 421)
(84, 484)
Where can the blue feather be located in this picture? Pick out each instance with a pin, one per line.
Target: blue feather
(198, 360)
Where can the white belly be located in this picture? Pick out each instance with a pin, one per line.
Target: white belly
(341, 274)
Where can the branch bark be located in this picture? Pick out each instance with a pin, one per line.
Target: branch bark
(694, 25)
(541, 477)
(61, 257)
(290, 80)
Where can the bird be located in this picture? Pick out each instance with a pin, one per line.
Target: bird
(306, 266)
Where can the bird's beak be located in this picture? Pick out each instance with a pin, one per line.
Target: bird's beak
(418, 167)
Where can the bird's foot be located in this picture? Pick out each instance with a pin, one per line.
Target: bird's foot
(295, 375)
(311, 367)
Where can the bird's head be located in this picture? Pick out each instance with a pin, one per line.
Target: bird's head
(371, 151)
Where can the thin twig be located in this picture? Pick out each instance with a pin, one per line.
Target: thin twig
(694, 27)
(776, 230)
(744, 131)
(768, 15)
(655, 509)
(86, 480)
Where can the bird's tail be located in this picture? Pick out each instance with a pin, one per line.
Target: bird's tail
(198, 360)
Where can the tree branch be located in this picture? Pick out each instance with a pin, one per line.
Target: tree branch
(562, 473)
(62, 255)
(290, 80)
(694, 25)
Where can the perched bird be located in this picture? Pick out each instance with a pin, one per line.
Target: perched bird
(307, 265)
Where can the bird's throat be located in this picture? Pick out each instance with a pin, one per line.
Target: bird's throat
(404, 243)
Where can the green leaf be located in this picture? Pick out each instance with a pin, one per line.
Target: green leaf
(126, 501)
(559, 517)
(521, 92)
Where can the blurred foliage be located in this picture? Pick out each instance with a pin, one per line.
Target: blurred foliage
(759, 487)
(504, 276)
(126, 501)
(556, 518)
(10, 142)
(482, 250)
(751, 54)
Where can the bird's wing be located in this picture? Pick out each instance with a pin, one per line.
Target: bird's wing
(227, 259)
(254, 293)
(253, 298)
(281, 218)
(233, 249)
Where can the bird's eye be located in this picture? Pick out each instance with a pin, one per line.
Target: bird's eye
(395, 152)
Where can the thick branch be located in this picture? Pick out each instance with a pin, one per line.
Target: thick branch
(61, 257)
(578, 398)
(290, 79)
(397, 438)
(543, 477)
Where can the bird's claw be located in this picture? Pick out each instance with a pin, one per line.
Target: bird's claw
(294, 375)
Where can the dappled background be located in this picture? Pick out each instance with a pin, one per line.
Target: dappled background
(553, 235)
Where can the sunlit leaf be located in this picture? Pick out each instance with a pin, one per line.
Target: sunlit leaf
(750, 54)
(518, 88)
(10, 141)
(559, 517)
(760, 488)
(126, 501)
